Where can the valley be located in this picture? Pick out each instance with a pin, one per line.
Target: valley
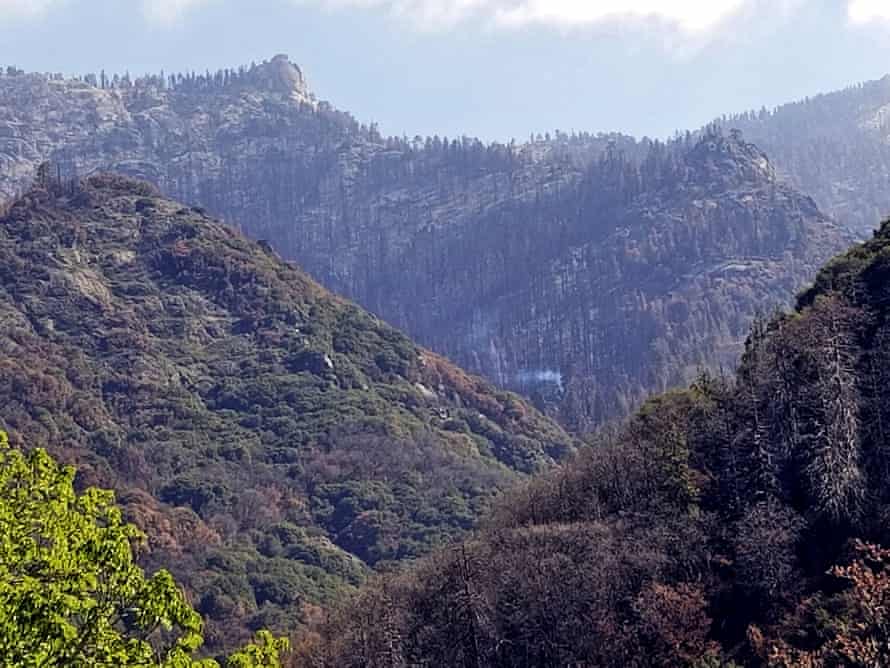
(282, 391)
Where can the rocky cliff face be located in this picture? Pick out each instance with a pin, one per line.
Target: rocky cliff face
(586, 271)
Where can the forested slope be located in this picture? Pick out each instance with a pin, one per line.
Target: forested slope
(738, 522)
(584, 270)
(630, 282)
(835, 147)
(275, 441)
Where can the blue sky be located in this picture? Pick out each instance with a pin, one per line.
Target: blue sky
(491, 68)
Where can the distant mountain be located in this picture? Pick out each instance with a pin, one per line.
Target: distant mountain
(835, 147)
(274, 441)
(626, 282)
(585, 271)
(736, 523)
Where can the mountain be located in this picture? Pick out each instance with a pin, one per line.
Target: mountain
(735, 523)
(584, 271)
(835, 147)
(625, 283)
(275, 441)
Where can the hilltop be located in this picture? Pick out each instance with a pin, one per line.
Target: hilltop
(275, 441)
(834, 146)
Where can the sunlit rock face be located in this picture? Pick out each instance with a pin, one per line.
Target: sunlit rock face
(586, 271)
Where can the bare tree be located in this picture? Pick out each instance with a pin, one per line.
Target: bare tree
(834, 458)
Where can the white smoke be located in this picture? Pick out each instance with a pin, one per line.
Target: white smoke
(534, 376)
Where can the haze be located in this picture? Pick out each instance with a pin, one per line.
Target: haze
(497, 69)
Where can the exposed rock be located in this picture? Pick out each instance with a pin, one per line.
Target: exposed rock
(279, 75)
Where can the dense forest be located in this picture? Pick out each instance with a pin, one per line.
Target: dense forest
(737, 522)
(593, 295)
(275, 442)
(583, 270)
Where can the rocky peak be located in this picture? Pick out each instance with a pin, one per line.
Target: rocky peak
(280, 75)
(729, 158)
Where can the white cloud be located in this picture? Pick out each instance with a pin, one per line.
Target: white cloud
(24, 8)
(690, 16)
(427, 13)
(168, 12)
(865, 11)
(164, 12)
(691, 19)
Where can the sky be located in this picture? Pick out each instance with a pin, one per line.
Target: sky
(496, 69)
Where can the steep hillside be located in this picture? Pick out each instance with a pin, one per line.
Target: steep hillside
(586, 271)
(630, 282)
(835, 147)
(274, 441)
(730, 524)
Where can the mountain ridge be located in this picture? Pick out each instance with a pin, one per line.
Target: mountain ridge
(834, 146)
(478, 251)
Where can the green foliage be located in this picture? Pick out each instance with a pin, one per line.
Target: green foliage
(71, 593)
(661, 429)
(266, 652)
(224, 394)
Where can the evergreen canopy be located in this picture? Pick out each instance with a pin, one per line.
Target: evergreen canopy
(71, 593)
